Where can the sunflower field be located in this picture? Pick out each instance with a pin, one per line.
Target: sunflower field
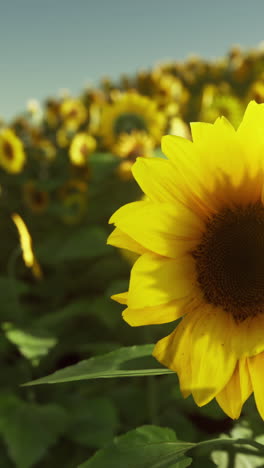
(79, 384)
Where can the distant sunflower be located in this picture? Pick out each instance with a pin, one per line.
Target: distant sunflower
(256, 92)
(81, 147)
(218, 104)
(12, 155)
(36, 199)
(71, 187)
(131, 112)
(74, 208)
(200, 237)
(73, 113)
(129, 147)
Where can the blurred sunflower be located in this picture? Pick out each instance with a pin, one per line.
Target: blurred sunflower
(169, 89)
(256, 92)
(73, 113)
(63, 137)
(200, 236)
(12, 155)
(74, 207)
(71, 187)
(130, 112)
(178, 127)
(81, 147)
(35, 199)
(47, 149)
(215, 104)
(129, 147)
(52, 113)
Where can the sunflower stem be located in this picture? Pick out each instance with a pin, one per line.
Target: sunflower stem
(152, 400)
(231, 457)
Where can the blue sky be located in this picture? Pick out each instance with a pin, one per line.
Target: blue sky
(46, 46)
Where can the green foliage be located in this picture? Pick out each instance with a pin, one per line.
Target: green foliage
(124, 362)
(63, 325)
(145, 447)
(29, 429)
(32, 344)
(94, 421)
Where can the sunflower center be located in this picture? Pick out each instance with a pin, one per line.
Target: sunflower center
(127, 122)
(8, 150)
(38, 197)
(230, 261)
(84, 149)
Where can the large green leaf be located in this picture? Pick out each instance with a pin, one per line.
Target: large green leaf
(156, 447)
(124, 362)
(29, 429)
(145, 447)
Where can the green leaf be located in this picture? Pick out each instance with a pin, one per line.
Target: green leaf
(32, 344)
(82, 243)
(124, 362)
(93, 421)
(241, 460)
(144, 447)
(29, 429)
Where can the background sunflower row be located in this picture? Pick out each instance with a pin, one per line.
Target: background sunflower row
(65, 168)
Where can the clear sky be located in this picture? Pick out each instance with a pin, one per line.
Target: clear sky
(46, 45)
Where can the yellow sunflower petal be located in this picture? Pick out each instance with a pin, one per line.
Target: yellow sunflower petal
(204, 335)
(236, 391)
(248, 338)
(157, 178)
(175, 147)
(120, 239)
(157, 280)
(124, 211)
(256, 370)
(192, 173)
(222, 137)
(164, 313)
(213, 361)
(154, 226)
(121, 297)
(173, 352)
(251, 134)
(199, 130)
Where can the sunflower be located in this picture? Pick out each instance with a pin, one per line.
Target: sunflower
(74, 208)
(73, 113)
(72, 187)
(12, 155)
(200, 237)
(130, 112)
(169, 89)
(179, 127)
(63, 137)
(129, 147)
(256, 92)
(36, 199)
(215, 104)
(81, 147)
(52, 113)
